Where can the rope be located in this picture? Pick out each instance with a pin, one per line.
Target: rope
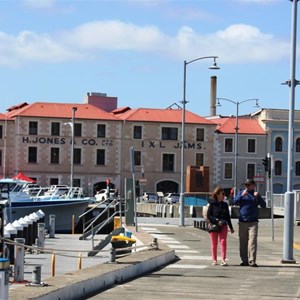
(57, 251)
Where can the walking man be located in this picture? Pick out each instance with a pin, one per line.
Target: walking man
(248, 200)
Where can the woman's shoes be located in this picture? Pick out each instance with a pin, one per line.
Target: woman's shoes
(223, 263)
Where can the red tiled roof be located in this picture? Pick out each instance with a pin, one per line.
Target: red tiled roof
(61, 110)
(120, 110)
(4, 117)
(246, 126)
(17, 106)
(162, 115)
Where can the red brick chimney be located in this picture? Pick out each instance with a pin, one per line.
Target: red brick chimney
(101, 101)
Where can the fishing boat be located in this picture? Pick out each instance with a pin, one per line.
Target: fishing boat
(66, 203)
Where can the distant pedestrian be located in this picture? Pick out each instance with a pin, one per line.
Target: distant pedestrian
(116, 193)
(248, 200)
(219, 218)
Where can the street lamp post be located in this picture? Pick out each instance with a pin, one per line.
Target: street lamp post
(289, 197)
(74, 109)
(182, 167)
(236, 144)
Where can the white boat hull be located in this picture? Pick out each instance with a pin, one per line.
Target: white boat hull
(64, 210)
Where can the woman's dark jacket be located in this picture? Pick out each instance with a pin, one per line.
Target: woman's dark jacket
(219, 211)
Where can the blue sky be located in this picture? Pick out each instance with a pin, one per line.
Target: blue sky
(57, 51)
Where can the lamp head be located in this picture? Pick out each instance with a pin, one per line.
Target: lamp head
(214, 66)
(218, 103)
(256, 103)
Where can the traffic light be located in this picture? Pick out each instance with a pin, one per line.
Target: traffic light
(267, 163)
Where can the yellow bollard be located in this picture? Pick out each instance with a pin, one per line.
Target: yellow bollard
(73, 224)
(53, 265)
(80, 261)
(117, 222)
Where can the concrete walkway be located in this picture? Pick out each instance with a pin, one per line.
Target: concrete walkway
(192, 276)
(181, 269)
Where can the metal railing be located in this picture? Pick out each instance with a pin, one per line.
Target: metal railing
(93, 225)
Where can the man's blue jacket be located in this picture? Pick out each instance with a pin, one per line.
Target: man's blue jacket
(248, 206)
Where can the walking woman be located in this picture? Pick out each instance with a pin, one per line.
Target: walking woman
(218, 214)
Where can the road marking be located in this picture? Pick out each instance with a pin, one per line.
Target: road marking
(195, 257)
(178, 247)
(187, 251)
(154, 230)
(181, 266)
(168, 242)
(162, 236)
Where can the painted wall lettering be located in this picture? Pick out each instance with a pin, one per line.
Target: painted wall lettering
(62, 141)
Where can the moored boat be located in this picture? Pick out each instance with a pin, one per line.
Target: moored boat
(66, 203)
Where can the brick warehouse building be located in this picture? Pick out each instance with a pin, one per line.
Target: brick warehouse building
(36, 139)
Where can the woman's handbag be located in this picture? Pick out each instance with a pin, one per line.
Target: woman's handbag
(214, 228)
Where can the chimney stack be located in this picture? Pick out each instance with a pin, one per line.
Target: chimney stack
(213, 95)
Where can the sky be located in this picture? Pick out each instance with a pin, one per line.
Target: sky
(59, 50)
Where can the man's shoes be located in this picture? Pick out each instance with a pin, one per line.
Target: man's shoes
(244, 264)
(253, 264)
(224, 263)
(214, 263)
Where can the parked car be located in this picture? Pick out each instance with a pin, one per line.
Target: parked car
(149, 197)
(103, 195)
(171, 198)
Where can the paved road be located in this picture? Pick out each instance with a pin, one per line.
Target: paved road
(193, 277)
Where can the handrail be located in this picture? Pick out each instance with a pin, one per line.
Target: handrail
(90, 230)
(101, 213)
(92, 208)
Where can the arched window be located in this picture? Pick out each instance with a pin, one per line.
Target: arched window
(278, 144)
(297, 168)
(278, 167)
(298, 145)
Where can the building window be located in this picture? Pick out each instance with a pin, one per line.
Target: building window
(278, 167)
(32, 154)
(77, 156)
(54, 181)
(137, 132)
(33, 128)
(228, 171)
(1, 132)
(278, 144)
(298, 145)
(100, 160)
(251, 147)
(169, 133)
(78, 129)
(54, 156)
(229, 145)
(55, 128)
(200, 135)
(168, 162)
(250, 171)
(297, 169)
(199, 159)
(0, 157)
(76, 182)
(137, 158)
(101, 131)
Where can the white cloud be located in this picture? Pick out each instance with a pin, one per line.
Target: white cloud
(114, 35)
(40, 4)
(237, 43)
